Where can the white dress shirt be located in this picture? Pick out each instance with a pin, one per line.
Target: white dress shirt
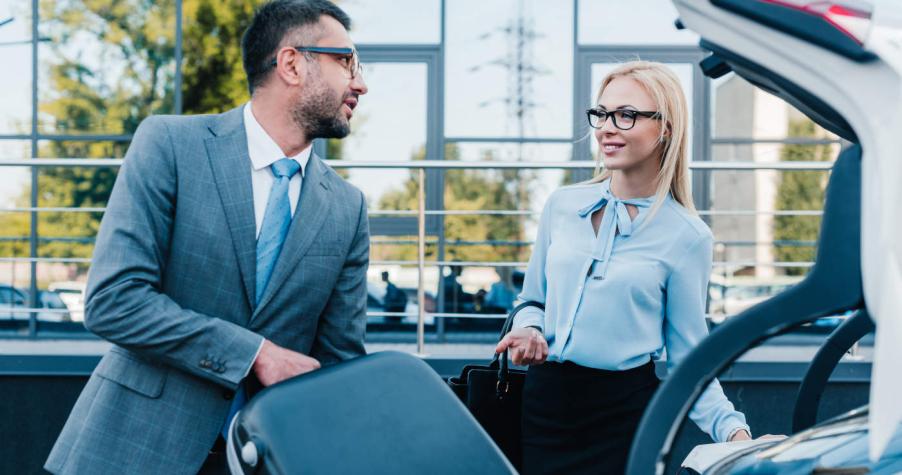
(264, 151)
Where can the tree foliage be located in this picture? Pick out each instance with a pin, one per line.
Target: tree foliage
(465, 190)
(800, 190)
(109, 65)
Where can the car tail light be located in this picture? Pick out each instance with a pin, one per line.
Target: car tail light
(851, 18)
(842, 26)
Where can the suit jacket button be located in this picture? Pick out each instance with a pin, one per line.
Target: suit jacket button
(228, 395)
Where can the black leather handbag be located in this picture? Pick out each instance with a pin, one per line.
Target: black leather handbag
(494, 395)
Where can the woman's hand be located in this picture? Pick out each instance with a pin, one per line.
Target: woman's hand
(527, 346)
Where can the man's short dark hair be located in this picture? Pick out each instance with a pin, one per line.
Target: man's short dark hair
(272, 21)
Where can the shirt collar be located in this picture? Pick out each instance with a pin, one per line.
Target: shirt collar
(624, 222)
(263, 150)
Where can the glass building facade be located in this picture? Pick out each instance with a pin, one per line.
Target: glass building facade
(453, 80)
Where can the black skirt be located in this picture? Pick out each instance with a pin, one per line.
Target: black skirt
(582, 420)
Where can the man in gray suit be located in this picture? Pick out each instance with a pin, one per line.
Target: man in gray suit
(228, 254)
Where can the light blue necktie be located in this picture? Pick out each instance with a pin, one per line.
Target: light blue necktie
(276, 221)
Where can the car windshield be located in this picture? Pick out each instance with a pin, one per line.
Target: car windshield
(11, 296)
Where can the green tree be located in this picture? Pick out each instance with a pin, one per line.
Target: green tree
(127, 74)
(800, 190)
(121, 71)
(465, 190)
(214, 79)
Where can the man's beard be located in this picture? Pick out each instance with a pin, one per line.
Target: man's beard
(318, 113)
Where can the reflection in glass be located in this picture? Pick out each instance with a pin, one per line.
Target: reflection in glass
(14, 242)
(741, 110)
(15, 182)
(15, 49)
(531, 186)
(71, 234)
(213, 78)
(500, 236)
(772, 235)
(15, 279)
(638, 22)
(15, 229)
(60, 297)
(394, 22)
(106, 67)
(509, 69)
(389, 124)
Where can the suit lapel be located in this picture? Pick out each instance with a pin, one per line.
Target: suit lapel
(228, 155)
(312, 209)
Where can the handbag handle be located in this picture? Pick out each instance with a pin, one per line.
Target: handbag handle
(503, 369)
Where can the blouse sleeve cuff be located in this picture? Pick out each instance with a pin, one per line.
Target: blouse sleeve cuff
(530, 317)
(736, 429)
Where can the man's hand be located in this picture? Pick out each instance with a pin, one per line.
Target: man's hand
(527, 346)
(275, 364)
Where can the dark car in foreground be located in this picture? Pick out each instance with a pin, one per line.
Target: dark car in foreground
(839, 62)
(839, 445)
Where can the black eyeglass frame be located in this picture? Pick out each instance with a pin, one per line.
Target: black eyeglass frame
(603, 115)
(354, 66)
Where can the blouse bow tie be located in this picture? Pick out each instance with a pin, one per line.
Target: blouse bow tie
(624, 224)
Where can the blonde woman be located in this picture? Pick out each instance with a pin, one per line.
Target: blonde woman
(622, 265)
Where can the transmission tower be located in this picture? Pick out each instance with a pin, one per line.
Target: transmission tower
(522, 70)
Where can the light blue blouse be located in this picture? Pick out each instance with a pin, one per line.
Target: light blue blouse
(616, 300)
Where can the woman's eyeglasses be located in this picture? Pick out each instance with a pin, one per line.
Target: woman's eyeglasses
(624, 119)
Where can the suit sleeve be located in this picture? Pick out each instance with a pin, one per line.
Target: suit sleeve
(124, 300)
(342, 324)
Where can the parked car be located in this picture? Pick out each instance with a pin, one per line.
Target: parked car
(12, 299)
(73, 295)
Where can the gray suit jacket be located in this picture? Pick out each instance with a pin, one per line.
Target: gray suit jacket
(172, 286)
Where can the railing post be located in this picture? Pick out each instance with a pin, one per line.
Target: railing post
(421, 261)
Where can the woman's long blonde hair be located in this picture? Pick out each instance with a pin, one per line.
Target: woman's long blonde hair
(664, 87)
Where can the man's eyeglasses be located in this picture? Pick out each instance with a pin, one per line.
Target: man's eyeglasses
(346, 57)
(624, 119)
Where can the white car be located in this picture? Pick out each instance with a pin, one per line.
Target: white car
(839, 62)
(13, 299)
(73, 295)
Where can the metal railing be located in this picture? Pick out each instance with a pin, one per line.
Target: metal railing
(421, 213)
